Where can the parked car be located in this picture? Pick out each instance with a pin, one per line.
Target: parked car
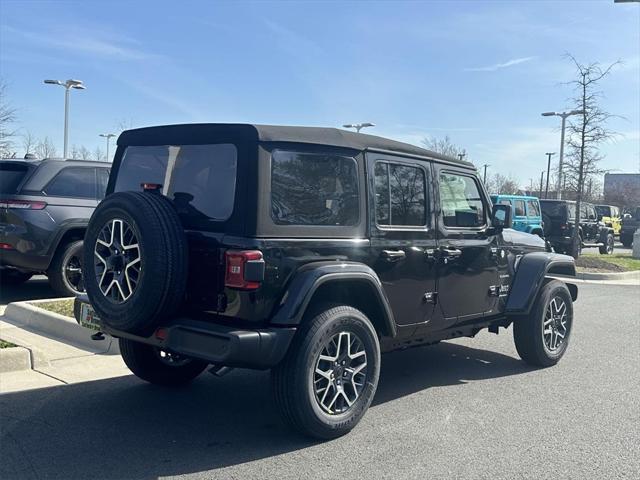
(630, 223)
(527, 216)
(308, 251)
(45, 207)
(559, 220)
(610, 216)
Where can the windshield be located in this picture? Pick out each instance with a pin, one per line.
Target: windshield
(11, 175)
(603, 211)
(200, 179)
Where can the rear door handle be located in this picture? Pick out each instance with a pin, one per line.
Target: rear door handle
(393, 255)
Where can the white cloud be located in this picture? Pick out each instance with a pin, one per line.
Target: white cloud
(499, 66)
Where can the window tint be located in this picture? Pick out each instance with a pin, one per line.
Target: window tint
(11, 175)
(532, 208)
(461, 201)
(74, 182)
(519, 208)
(313, 189)
(103, 179)
(200, 179)
(400, 198)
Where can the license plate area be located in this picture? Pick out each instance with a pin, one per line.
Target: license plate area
(88, 317)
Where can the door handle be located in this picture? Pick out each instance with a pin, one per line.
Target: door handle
(450, 252)
(393, 255)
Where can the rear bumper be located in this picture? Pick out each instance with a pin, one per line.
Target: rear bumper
(23, 261)
(218, 344)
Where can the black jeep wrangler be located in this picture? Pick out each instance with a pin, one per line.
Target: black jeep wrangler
(308, 251)
(630, 223)
(558, 217)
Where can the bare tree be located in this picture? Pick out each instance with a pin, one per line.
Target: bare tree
(503, 184)
(444, 146)
(585, 133)
(99, 155)
(29, 142)
(45, 148)
(7, 118)
(84, 153)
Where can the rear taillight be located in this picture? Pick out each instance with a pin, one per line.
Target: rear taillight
(6, 246)
(244, 269)
(22, 204)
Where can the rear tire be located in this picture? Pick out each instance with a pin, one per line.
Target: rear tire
(63, 274)
(328, 404)
(158, 367)
(607, 248)
(627, 242)
(542, 337)
(11, 277)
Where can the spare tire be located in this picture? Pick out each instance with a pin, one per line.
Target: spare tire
(135, 261)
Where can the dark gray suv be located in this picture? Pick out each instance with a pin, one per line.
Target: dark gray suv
(45, 207)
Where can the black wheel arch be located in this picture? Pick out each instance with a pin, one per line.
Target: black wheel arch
(349, 283)
(534, 268)
(70, 232)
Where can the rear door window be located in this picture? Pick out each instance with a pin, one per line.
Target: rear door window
(519, 210)
(314, 189)
(73, 182)
(400, 195)
(200, 179)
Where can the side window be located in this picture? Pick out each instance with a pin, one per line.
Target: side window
(533, 208)
(400, 195)
(584, 214)
(314, 189)
(103, 179)
(461, 202)
(74, 182)
(505, 201)
(519, 210)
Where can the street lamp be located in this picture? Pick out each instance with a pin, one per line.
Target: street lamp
(68, 85)
(564, 116)
(359, 126)
(546, 190)
(108, 136)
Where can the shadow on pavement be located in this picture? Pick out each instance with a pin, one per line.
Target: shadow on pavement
(124, 428)
(36, 288)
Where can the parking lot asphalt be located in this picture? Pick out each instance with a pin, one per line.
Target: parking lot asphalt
(468, 408)
(37, 287)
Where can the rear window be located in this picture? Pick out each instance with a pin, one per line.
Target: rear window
(200, 179)
(313, 189)
(559, 210)
(11, 175)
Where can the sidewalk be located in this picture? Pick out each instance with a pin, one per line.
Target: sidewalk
(52, 362)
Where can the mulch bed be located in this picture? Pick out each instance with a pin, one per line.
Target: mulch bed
(594, 264)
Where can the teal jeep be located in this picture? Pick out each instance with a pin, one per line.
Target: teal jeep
(527, 216)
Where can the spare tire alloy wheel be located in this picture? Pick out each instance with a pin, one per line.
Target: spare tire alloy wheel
(556, 325)
(118, 262)
(340, 373)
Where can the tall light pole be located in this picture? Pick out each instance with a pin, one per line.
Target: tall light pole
(564, 116)
(359, 126)
(461, 156)
(484, 176)
(541, 181)
(108, 136)
(549, 155)
(68, 85)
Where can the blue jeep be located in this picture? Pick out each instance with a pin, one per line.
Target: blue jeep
(527, 216)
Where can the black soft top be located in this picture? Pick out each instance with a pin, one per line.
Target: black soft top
(199, 133)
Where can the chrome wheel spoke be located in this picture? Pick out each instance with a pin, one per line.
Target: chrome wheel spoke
(118, 261)
(340, 373)
(556, 324)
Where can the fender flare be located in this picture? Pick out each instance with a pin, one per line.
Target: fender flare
(531, 273)
(311, 276)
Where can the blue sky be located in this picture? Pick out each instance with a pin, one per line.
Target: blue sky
(480, 72)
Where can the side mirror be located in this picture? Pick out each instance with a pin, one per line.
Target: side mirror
(501, 217)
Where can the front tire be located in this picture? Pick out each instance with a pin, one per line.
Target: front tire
(542, 337)
(65, 271)
(158, 366)
(327, 380)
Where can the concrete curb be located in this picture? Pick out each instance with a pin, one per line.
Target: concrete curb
(14, 359)
(59, 327)
(634, 275)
